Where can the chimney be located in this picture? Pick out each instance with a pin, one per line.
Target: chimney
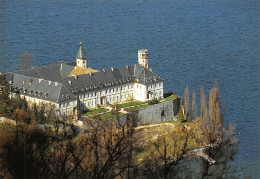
(75, 76)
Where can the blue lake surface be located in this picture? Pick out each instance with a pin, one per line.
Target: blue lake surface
(189, 41)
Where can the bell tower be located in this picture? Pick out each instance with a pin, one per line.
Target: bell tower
(81, 58)
(143, 58)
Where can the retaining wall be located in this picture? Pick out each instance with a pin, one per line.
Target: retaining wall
(156, 113)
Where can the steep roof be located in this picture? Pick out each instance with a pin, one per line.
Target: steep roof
(54, 83)
(52, 72)
(108, 78)
(81, 53)
(40, 88)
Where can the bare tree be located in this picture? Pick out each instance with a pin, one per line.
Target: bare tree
(214, 111)
(186, 102)
(25, 61)
(111, 150)
(194, 106)
(203, 105)
(165, 152)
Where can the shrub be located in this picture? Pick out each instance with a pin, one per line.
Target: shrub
(153, 101)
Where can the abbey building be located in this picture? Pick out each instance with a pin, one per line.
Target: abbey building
(60, 84)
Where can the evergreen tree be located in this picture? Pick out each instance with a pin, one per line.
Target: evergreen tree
(4, 89)
(180, 115)
(4, 96)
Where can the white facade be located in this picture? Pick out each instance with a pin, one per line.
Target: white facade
(116, 94)
(143, 58)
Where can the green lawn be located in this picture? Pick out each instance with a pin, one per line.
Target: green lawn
(136, 107)
(95, 111)
(170, 97)
(133, 103)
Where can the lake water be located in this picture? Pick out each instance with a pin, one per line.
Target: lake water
(190, 42)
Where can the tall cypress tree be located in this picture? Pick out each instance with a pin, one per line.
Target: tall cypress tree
(4, 89)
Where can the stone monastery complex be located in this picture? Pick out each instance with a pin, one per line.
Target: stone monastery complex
(60, 84)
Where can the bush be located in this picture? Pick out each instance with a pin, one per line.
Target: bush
(153, 101)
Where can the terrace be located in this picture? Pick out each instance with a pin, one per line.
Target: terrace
(122, 108)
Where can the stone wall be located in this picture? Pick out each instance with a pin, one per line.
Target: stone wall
(156, 113)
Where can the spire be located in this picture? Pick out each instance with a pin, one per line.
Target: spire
(81, 53)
